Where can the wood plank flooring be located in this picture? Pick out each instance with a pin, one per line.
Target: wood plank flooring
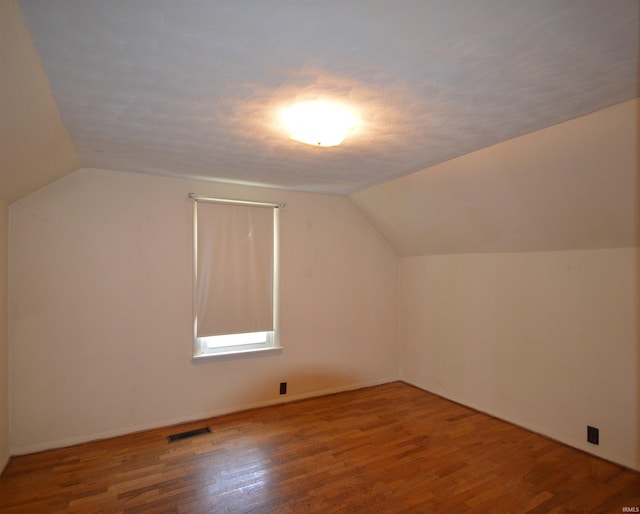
(386, 449)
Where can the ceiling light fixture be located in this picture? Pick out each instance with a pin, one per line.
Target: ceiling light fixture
(319, 123)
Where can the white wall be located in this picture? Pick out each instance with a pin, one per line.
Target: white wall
(4, 355)
(520, 282)
(100, 308)
(36, 149)
(546, 340)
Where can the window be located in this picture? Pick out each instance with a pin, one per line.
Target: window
(235, 276)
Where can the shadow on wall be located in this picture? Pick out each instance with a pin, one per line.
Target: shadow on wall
(313, 382)
(283, 386)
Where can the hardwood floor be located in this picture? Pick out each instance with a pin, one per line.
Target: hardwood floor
(385, 449)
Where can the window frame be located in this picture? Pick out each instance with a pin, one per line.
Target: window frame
(271, 344)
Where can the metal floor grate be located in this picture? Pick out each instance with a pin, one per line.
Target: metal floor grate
(190, 433)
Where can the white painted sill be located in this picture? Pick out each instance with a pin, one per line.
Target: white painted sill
(231, 352)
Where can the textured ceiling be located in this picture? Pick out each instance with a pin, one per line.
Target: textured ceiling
(192, 88)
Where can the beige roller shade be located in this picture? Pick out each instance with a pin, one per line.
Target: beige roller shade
(235, 264)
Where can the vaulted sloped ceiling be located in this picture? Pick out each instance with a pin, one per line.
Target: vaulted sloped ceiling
(35, 147)
(571, 186)
(193, 88)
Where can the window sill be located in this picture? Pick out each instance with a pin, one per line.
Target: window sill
(230, 353)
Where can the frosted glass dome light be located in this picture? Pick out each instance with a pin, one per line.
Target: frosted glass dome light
(319, 123)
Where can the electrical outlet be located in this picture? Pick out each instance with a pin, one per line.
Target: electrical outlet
(283, 388)
(593, 435)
